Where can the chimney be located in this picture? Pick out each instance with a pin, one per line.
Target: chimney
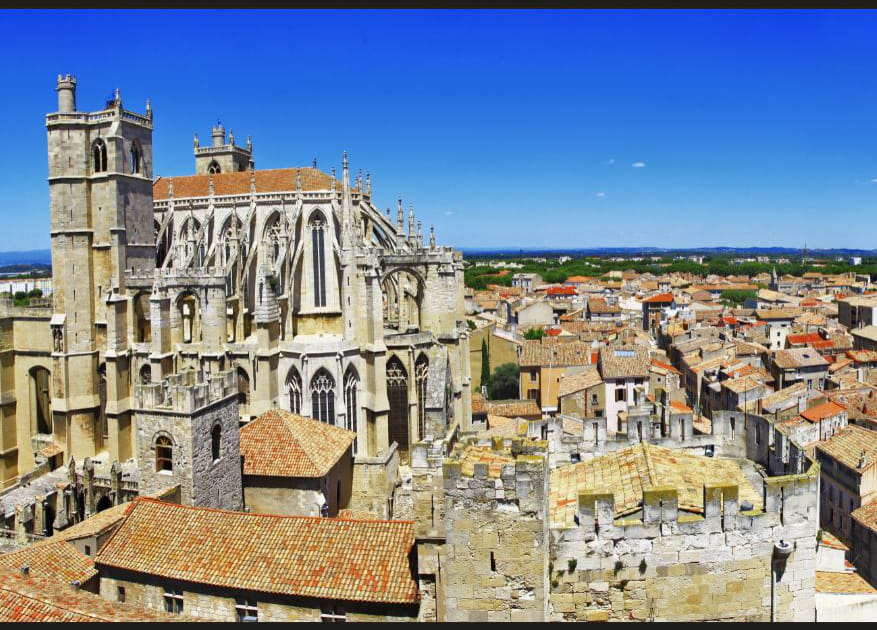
(863, 460)
(75, 585)
(25, 570)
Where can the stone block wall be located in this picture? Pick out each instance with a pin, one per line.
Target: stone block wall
(496, 540)
(676, 566)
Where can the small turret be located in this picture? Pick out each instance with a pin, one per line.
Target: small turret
(66, 93)
(218, 134)
(230, 136)
(431, 237)
(410, 221)
(195, 142)
(400, 219)
(149, 109)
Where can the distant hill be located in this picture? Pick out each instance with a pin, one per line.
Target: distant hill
(30, 257)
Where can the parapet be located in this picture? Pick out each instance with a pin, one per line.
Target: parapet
(187, 391)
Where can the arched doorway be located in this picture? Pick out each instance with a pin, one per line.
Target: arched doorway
(397, 394)
(104, 503)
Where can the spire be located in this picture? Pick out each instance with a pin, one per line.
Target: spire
(388, 213)
(148, 108)
(419, 235)
(196, 141)
(410, 220)
(315, 164)
(346, 207)
(431, 237)
(400, 219)
(368, 184)
(230, 136)
(170, 187)
(298, 179)
(249, 144)
(334, 180)
(118, 96)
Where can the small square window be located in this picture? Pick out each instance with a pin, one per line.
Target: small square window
(120, 594)
(333, 614)
(246, 610)
(173, 600)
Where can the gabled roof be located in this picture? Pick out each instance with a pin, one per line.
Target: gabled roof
(36, 599)
(848, 445)
(821, 412)
(51, 558)
(282, 444)
(238, 183)
(572, 383)
(624, 362)
(662, 298)
(798, 358)
(326, 558)
(627, 472)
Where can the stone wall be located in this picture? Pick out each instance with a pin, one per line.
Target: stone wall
(496, 539)
(218, 604)
(676, 566)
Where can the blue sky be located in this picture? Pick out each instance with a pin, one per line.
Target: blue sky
(512, 128)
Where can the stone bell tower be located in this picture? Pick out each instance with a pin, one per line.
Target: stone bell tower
(100, 199)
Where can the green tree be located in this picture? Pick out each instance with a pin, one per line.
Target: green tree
(736, 297)
(534, 333)
(485, 364)
(504, 382)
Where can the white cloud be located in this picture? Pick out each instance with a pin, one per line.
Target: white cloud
(611, 161)
(638, 164)
(601, 194)
(448, 213)
(874, 180)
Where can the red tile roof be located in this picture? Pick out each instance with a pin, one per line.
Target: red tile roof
(803, 338)
(821, 412)
(36, 599)
(561, 291)
(53, 558)
(238, 183)
(327, 558)
(661, 297)
(282, 444)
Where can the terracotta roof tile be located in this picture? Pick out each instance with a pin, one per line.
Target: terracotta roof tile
(238, 183)
(821, 412)
(849, 444)
(282, 444)
(37, 599)
(329, 558)
(56, 559)
(842, 582)
(626, 473)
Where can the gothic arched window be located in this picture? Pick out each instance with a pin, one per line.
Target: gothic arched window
(136, 155)
(421, 370)
(216, 441)
(317, 224)
(214, 168)
(351, 385)
(164, 454)
(99, 156)
(293, 386)
(323, 397)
